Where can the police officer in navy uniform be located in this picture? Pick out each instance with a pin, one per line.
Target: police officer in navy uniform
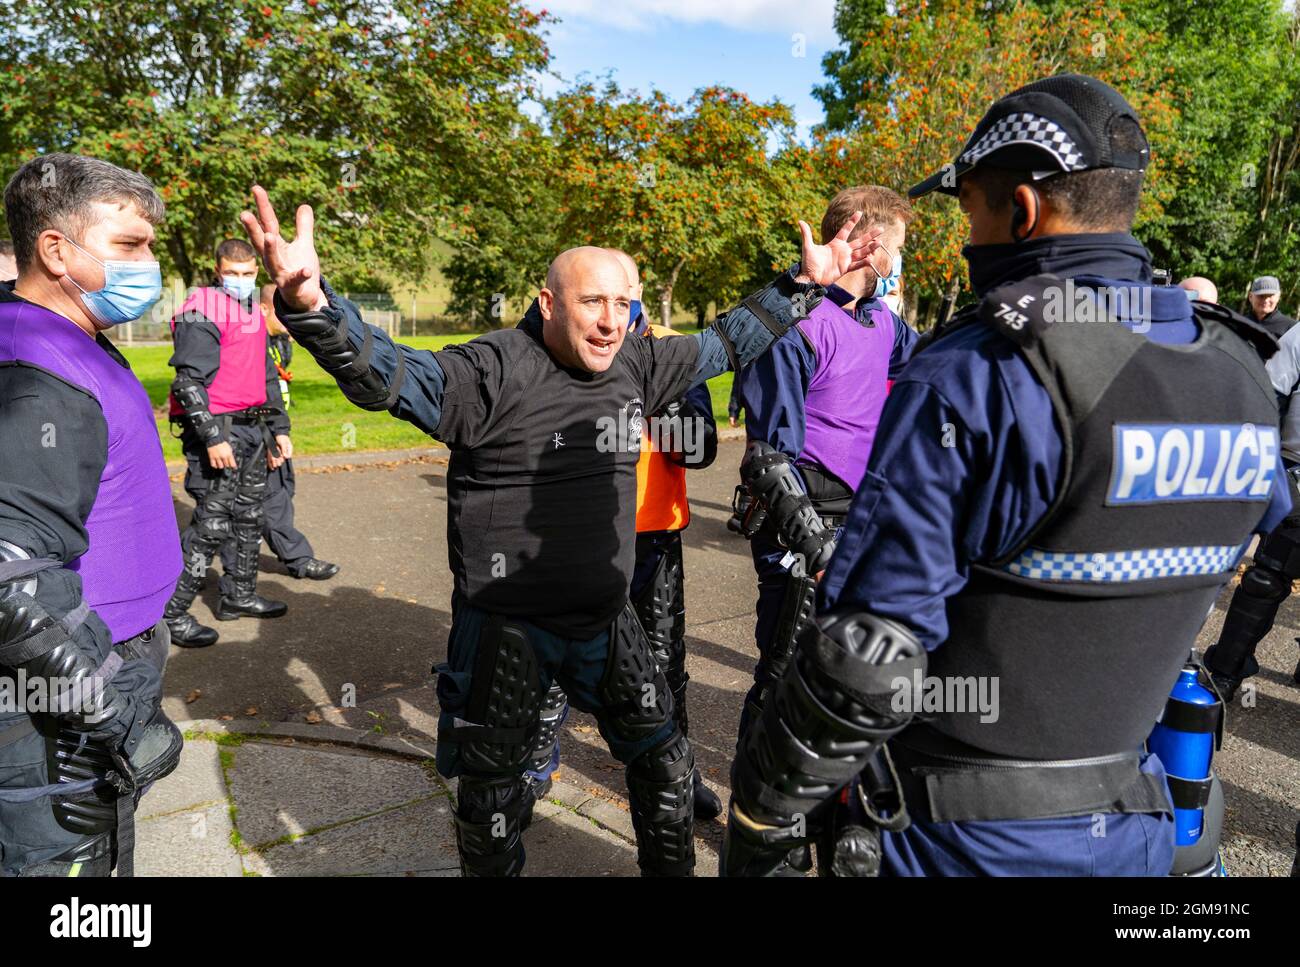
(1268, 581)
(540, 515)
(1051, 506)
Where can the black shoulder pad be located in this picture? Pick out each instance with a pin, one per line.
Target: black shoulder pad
(1260, 339)
(1016, 309)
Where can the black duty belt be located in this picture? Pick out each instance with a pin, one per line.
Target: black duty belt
(254, 414)
(946, 781)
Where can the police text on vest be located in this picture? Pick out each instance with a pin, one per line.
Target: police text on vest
(1159, 463)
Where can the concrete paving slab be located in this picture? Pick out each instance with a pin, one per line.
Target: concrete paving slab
(191, 843)
(291, 789)
(197, 781)
(414, 839)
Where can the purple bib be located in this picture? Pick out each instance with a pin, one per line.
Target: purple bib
(848, 388)
(130, 567)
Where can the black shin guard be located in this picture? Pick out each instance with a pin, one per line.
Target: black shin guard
(489, 821)
(661, 797)
(661, 609)
(495, 743)
(250, 495)
(1250, 617)
(797, 608)
(637, 704)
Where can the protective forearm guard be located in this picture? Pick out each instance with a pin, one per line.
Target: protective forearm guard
(772, 482)
(326, 338)
(56, 649)
(192, 397)
(764, 317)
(830, 713)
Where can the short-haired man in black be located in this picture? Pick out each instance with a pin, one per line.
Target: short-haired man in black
(540, 514)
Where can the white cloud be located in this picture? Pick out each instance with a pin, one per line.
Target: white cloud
(815, 18)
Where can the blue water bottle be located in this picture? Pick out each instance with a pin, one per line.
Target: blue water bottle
(1185, 739)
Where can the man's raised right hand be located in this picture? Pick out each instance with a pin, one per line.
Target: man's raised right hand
(292, 266)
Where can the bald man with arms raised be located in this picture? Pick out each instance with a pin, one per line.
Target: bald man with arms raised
(541, 514)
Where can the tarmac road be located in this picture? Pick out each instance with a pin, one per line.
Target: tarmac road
(357, 650)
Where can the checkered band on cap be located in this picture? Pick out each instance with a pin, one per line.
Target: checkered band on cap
(1120, 566)
(1022, 127)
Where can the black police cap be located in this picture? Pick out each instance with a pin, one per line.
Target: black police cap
(1059, 124)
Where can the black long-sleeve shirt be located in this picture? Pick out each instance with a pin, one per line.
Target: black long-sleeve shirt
(541, 488)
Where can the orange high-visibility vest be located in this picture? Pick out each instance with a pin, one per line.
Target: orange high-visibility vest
(660, 483)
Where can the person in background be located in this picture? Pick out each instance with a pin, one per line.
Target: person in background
(1200, 289)
(227, 400)
(1265, 292)
(812, 407)
(287, 543)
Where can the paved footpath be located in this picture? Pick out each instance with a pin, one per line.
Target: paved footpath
(311, 736)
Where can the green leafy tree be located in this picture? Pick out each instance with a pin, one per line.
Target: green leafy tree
(378, 113)
(682, 188)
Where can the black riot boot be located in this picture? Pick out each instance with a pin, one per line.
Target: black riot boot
(185, 629)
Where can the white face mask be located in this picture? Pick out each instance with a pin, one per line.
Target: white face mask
(238, 286)
(129, 289)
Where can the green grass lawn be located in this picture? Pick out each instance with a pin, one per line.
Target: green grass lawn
(323, 421)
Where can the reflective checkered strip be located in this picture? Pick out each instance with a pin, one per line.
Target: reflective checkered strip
(1021, 127)
(1119, 566)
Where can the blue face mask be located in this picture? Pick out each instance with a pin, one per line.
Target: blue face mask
(129, 289)
(240, 288)
(886, 285)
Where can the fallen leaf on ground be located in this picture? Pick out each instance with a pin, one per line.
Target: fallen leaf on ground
(193, 696)
(313, 718)
(251, 710)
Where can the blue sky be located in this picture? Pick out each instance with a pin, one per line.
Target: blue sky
(680, 45)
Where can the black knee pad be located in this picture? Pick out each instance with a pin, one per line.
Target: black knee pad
(211, 529)
(489, 814)
(1265, 583)
(505, 699)
(634, 690)
(1279, 550)
(661, 797)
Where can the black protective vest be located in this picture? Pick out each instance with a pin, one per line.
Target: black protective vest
(1087, 622)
